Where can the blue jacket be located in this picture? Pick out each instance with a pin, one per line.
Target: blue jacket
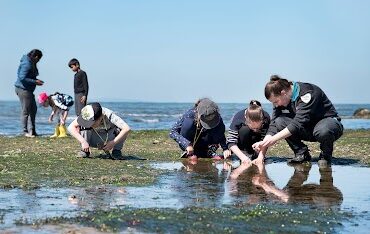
(27, 73)
(183, 132)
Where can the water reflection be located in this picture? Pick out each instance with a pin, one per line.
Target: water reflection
(253, 182)
(218, 183)
(205, 183)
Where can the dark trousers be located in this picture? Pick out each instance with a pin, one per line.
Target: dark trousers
(78, 104)
(247, 138)
(326, 131)
(29, 109)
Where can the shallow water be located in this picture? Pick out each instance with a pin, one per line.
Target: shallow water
(342, 189)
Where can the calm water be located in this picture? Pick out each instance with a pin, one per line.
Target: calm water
(304, 190)
(150, 115)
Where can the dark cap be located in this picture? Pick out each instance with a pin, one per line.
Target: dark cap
(208, 113)
(89, 114)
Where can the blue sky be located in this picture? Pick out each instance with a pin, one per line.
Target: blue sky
(178, 51)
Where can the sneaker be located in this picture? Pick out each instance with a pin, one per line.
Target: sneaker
(116, 154)
(300, 158)
(29, 135)
(83, 154)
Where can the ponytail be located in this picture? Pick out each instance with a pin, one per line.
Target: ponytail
(254, 112)
(276, 85)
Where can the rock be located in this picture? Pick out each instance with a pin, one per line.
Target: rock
(362, 113)
(155, 142)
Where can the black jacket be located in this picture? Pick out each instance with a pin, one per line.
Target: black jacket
(309, 107)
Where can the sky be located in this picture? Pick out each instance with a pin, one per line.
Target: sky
(179, 51)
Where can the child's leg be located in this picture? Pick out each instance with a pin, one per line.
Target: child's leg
(112, 134)
(92, 138)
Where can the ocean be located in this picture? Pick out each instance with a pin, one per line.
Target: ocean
(147, 115)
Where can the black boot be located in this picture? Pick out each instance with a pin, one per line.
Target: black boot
(324, 160)
(300, 158)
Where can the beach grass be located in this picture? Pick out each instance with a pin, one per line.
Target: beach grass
(36, 162)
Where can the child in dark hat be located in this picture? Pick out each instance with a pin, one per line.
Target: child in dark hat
(200, 131)
(101, 128)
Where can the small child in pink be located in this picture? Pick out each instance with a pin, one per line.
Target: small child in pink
(60, 104)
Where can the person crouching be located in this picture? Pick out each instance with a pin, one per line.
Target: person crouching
(60, 104)
(200, 131)
(100, 128)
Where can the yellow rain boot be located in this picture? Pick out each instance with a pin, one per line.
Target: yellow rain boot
(62, 131)
(56, 131)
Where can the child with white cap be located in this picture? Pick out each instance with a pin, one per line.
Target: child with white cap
(100, 128)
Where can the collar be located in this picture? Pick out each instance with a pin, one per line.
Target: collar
(295, 92)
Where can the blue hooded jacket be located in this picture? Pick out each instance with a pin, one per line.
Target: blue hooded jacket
(27, 73)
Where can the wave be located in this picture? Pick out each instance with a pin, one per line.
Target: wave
(145, 120)
(152, 115)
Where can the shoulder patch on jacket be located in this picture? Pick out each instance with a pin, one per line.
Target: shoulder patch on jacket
(306, 98)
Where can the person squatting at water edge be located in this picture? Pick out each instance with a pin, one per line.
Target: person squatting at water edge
(60, 104)
(301, 111)
(100, 128)
(200, 131)
(25, 85)
(247, 127)
(81, 85)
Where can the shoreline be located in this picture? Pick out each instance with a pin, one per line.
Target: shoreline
(42, 161)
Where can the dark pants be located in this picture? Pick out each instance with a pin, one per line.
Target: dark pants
(326, 131)
(204, 147)
(29, 109)
(205, 151)
(247, 138)
(97, 139)
(78, 104)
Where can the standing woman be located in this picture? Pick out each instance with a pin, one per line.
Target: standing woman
(247, 127)
(24, 88)
(302, 111)
(200, 131)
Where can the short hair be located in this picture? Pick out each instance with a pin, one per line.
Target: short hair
(73, 61)
(35, 53)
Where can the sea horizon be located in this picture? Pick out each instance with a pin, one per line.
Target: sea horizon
(151, 115)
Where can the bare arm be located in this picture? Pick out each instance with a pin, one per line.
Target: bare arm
(74, 130)
(235, 149)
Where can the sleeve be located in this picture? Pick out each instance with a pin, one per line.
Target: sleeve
(303, 112)
(233, 133)
(223, 138)
(175, 132)
(24, 68)
(266, 124)
(272, 129)
(58, 101)
(115, 119)
(85, 83)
